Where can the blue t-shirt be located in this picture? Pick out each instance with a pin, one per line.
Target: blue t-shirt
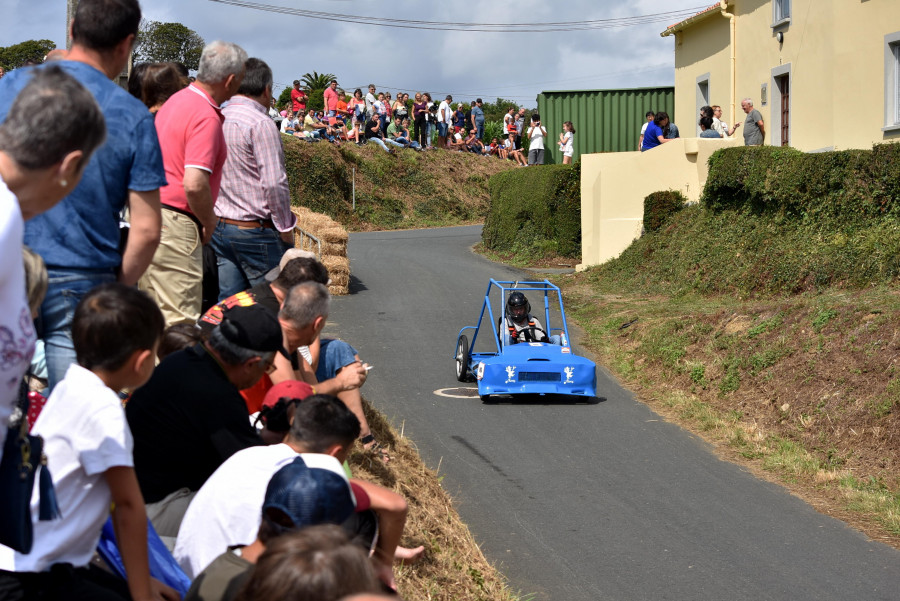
(459, 119)
(82, 231)
(478, 113)
(651, 136)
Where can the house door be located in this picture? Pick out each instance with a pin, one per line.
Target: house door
(784, 89)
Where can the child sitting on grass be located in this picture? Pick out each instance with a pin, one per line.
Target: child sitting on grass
(115, 331)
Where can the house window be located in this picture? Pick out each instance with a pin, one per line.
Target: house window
(892, 81)
(782, 11)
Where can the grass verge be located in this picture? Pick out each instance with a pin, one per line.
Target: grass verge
(804, 390)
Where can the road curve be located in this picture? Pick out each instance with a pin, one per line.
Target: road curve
(581, 501)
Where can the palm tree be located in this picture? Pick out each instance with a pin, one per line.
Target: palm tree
(316, 81)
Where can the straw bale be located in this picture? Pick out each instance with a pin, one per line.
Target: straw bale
(336, 265)
(332, 234)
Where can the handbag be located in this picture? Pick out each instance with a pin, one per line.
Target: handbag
(23, 460)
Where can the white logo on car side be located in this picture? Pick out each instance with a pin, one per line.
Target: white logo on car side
(570, 371)
(510, 374)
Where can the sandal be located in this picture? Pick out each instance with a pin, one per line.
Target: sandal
(372, 446)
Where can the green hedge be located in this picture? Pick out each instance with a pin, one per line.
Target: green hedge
(660, 206)
(849, 185)
(535, 212)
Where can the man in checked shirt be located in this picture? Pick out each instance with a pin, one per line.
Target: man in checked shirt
(255, 224)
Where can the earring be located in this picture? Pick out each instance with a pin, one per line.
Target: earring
(63, 183)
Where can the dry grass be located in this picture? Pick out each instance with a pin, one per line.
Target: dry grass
(453, 567)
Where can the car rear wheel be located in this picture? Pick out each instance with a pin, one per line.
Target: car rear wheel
(462, 359)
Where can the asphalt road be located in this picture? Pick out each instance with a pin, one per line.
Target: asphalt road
(578, 501)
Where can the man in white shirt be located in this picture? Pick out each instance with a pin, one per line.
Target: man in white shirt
(444, 118)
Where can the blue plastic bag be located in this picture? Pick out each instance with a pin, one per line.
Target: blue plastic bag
(163, 566)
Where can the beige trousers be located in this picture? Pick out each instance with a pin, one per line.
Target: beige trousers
(175, 276)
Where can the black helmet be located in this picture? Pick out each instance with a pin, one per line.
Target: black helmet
(518, 307)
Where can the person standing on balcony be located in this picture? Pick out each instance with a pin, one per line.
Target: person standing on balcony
(654, 135)
(754, 128)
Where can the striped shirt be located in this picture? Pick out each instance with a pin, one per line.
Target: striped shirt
(254, 180)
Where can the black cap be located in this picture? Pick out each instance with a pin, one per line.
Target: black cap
(253, 327)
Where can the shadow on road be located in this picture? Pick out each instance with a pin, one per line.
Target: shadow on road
(546, 399)
(355, 285)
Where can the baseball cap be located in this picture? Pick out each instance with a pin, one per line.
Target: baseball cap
(274, 410)
(313, 489)
(291, 253)
(252, 327)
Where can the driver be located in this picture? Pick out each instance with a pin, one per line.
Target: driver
(521, 325)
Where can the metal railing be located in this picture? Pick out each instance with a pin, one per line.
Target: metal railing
(303, 236)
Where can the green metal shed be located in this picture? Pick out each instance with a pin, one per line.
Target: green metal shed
(604, 120)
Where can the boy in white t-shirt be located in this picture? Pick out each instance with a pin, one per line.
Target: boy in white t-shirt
(115, 330)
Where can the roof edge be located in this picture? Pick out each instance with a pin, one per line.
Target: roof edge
(643, 88)
(702, 15)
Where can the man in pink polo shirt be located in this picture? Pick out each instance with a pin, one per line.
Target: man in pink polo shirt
(189, 126)
(331, 99)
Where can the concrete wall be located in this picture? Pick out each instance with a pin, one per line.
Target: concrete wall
(614, 185)
(833, 51)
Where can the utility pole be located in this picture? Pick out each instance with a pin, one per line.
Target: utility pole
(70, 14)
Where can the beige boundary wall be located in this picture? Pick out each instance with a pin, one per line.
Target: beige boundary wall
(614, 185)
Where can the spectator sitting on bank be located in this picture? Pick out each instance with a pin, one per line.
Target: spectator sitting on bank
(473, 143)
(115, 330)
(457, 142)
(192, 408)
(374, 134)
(404, 132)
(707, 130)
(314, 127)
(396, 132)
(321, 432)
(655, 134)
(305, 491)
(512, 152)
(315, 563)
(331, 365)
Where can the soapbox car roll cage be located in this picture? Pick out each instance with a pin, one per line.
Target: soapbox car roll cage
(523, 367)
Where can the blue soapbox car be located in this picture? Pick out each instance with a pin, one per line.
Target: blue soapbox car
(510, 368)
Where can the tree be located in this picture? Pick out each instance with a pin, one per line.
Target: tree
(285, 97)
(168, 42)
(17, 55)
(316, 81)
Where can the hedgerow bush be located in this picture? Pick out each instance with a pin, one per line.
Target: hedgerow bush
(660, 206)
(535, 212)
(775, 221)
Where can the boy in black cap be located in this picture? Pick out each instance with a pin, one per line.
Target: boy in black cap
(190, 416)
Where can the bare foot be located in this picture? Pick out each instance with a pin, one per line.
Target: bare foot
(409, 555)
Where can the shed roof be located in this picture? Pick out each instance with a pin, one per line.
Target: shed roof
(703, 14)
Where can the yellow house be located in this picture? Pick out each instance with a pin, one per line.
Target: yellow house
(824, 74)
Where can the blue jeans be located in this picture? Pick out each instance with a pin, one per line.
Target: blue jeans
(443, 129)
(479, 130)
(394, 143)
(380, 143)
(429, 133)
(66, 287)
(244, 256)
(333, 355)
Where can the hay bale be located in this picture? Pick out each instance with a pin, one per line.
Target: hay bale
(336, 265)
(333, 235)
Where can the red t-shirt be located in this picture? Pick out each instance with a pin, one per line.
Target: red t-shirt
(331, 99)
(298, 97)
(189, 126)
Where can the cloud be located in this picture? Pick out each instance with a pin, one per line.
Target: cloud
(464, 63)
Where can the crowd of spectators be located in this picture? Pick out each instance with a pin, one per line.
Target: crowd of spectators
(659, 129)
(218, 426)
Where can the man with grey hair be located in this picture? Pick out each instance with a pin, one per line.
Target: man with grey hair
(194, 150)
(303, 314)
(255, 223)
(79, 238)
(754, 128)
(190, 416)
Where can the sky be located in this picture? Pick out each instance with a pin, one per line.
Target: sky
(466, 64)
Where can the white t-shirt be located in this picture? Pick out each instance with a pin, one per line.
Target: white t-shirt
(721, 127)
(227, 509)
(537, 137)
(17, 336)
(370, 103)
(289, 122)
(568, 144)
(507, 119)
(445, 113)
(85, 434)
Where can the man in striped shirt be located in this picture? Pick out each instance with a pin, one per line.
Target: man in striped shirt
(255, 224)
